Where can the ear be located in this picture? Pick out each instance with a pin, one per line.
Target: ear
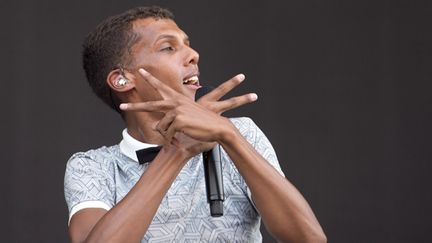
(119, 82)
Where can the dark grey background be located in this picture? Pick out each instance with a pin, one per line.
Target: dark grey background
(344, 95)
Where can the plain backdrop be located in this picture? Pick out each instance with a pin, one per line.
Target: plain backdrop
(344, 95)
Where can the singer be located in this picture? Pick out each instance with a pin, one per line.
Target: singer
(142, 65)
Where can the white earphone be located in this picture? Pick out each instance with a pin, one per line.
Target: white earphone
(122, 81)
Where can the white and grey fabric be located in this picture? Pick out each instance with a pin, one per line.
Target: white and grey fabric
(101, 178)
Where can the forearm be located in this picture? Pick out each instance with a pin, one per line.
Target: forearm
(130, 218)
(285, 212)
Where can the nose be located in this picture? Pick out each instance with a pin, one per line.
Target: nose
(192, 56)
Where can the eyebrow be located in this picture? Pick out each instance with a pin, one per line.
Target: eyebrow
(169, 36)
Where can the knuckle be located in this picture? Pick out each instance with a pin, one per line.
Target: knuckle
(223, 87)
(203, 102)
(159, 127)
(233, 102)
(213, 107)
(178, 102)
(180, 118)
(171, 115)
(181, 109)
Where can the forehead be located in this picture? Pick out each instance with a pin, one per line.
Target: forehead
(151, 29)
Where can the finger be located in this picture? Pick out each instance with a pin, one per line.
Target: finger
(235, 102)
(164, 90)
(224, 88)
(160, 105)
(165, 122)
(170, 132)
(175, 142)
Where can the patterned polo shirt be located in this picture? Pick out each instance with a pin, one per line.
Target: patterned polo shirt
(100, 178)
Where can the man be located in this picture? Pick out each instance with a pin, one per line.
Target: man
(142, 60)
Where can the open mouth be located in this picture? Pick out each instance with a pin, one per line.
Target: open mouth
(192, 81)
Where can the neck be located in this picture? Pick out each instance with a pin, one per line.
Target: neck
(140, 126)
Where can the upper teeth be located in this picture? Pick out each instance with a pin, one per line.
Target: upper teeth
(191, 80)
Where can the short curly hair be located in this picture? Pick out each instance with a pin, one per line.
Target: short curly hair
(109, 46)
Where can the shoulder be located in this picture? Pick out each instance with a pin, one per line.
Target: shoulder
(242, 122)
(98, 158)
(256, 137)
(246, 127)
(89, 179)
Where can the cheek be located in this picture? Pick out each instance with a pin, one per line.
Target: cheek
(145, 92)
(166, 69)
(167, 74)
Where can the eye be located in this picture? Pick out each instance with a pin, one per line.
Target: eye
(167, 48)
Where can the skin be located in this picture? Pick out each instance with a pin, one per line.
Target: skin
(159, 109)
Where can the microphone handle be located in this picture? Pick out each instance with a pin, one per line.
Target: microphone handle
(214, 180)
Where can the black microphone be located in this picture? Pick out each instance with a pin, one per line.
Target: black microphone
(214, 180)
(213, 172)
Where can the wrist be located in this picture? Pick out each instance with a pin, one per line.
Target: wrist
(228, 133)
(181, 154)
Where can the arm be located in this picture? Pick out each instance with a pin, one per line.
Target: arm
(285, 212)
(130, 218)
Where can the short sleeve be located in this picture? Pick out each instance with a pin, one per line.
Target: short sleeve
(258, 140)
(87, 184)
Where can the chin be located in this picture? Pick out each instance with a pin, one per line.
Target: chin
(190, 93)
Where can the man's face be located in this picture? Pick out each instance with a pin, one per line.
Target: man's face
(164, 51)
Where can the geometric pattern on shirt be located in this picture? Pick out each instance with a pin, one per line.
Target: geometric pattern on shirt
(107, 175)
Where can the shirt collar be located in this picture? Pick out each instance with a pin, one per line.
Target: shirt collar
(129, 145)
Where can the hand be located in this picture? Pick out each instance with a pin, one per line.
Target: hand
(199, 120)
(211, 99)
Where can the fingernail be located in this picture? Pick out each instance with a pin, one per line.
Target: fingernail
(241, 77)
(123, 106)
(154, 127)
(253, 96)
(142, 71)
